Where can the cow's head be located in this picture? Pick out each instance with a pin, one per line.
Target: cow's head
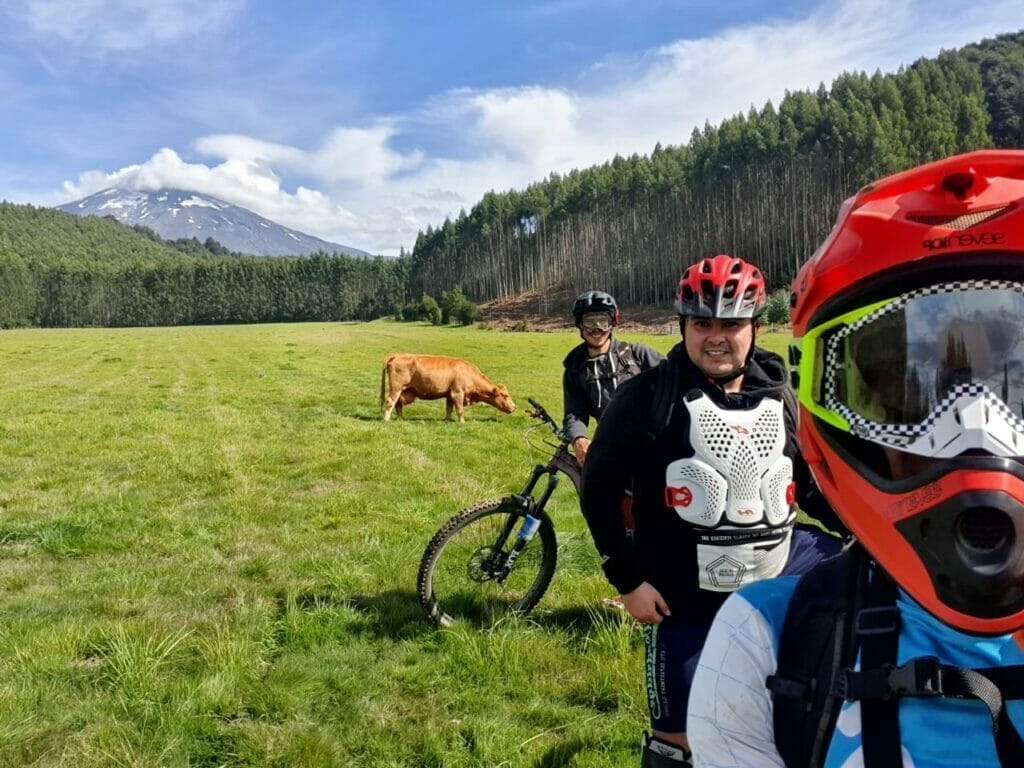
(500, 399)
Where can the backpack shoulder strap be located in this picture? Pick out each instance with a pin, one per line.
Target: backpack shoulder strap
(627, 359)
(817, 637)
(878, 631)
(789, 401)
(879, 684)
(873, 620)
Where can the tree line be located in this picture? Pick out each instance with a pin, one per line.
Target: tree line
(60, 270)
(765, 185)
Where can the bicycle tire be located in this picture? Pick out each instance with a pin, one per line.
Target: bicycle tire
(453, 582)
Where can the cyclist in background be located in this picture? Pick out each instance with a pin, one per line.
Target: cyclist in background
(595, 368)
(708, 438)
(909, 326)
(593, 372)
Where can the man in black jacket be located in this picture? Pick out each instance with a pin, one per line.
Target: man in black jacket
(595, 368)
(708, 439)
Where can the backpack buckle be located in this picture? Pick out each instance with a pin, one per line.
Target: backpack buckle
(878, 621)
(792, 689)
(840, 687)
(918, 677)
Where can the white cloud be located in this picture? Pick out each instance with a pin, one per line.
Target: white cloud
(354, 185)
(361, 155)
(121, 25)
(534, 125)
(233, 146)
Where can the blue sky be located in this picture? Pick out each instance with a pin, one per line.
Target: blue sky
(364, 122)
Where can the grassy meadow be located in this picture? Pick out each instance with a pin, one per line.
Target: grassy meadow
(208, 552)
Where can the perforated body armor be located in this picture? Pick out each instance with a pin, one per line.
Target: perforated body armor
(737, 489)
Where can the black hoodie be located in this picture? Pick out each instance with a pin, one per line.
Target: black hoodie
(630, 448)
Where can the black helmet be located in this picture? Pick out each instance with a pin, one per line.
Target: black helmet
(595, 301)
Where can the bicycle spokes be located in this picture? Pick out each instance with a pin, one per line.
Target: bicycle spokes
(487, 560)
(485, 564)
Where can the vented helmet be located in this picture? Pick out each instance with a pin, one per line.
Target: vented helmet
(595, 301)
(909, 354)
(721, 287)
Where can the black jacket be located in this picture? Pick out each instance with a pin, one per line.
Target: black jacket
(588, 383)
(628, 444)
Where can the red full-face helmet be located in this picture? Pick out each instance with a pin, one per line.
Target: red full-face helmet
(721, 287)
(909, 365)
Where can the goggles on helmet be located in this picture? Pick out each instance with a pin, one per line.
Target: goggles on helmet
(934, 372)
(596, 321)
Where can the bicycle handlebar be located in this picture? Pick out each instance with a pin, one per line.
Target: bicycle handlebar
(539, 412)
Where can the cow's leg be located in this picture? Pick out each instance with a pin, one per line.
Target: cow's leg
(392, 403)
(448, 403)
(460, 404)
(407, 396)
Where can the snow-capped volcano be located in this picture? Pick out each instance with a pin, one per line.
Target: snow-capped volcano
(175, 214)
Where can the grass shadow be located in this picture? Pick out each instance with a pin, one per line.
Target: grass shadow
(562, 754)
(393, 614)
(579, 620)
(425, 417)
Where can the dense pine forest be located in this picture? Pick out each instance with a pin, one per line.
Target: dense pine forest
(60, 270)
(765, 185)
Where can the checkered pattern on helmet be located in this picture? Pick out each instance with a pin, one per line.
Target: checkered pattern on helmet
(901, 434)
(898, 435)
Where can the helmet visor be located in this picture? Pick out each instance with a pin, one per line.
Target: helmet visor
(906, 371)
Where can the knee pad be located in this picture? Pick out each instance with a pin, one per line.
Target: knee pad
(655, 753)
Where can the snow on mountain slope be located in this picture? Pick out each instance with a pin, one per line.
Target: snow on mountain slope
(175, 213)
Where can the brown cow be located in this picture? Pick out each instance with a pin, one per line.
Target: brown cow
(431, 377)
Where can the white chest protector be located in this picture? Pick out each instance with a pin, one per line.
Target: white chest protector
(737, 491)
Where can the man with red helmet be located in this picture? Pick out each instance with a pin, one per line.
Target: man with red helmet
(909, 347)
(709, 439)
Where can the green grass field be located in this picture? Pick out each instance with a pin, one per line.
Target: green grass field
(208, 553)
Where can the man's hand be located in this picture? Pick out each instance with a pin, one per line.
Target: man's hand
(580, 446)
(645, 604)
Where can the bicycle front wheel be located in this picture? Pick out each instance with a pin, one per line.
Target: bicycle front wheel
(464, 574)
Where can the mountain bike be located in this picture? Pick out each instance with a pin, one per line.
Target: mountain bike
(499, 555)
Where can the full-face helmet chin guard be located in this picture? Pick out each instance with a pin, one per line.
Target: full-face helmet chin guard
(909, 365)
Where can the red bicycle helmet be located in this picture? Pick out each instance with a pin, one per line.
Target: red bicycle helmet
(721, 287)
(909, 354)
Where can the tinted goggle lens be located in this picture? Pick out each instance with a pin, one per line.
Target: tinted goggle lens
(599, 323)
(902, 361)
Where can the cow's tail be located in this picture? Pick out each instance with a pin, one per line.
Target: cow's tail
(383, 380)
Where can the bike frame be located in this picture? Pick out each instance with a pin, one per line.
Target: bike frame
(562, 461)
(492, 555)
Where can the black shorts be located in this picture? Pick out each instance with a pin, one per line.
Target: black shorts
(673, 647)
